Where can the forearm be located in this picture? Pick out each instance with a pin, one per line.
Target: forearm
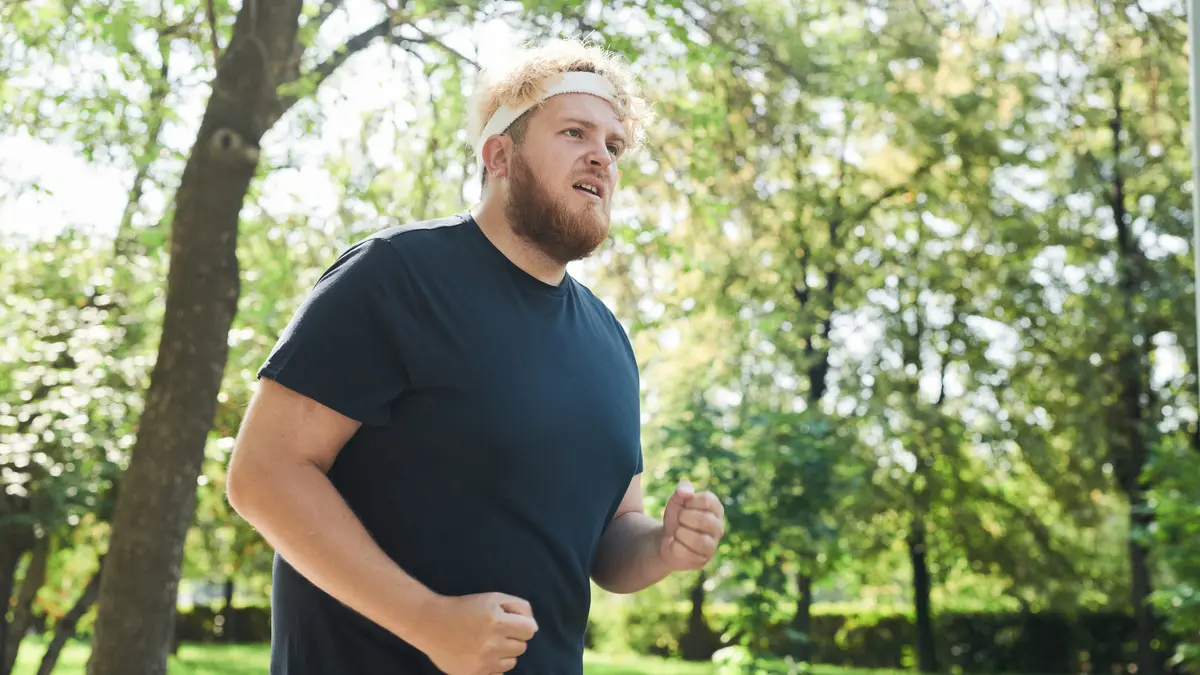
(299, 512)
(628, 558)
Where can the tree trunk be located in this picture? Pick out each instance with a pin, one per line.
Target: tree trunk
(9, 558)
(818, 384)
(926, 647)
(227, 629)
(17, 537)
(65, 627)
(137, 594)
(802, 619)
(35, 578)
(1130, 450)
(1143, 611)
(697, 643)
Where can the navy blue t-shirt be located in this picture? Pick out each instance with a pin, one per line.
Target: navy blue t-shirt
(500, 432)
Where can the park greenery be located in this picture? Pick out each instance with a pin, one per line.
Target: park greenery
(910, 284)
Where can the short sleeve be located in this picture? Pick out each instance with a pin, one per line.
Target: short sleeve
(347, 345)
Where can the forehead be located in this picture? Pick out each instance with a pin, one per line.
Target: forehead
(559, 110)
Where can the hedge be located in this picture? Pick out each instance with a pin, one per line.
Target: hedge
(988, 643)
(1040, 643)
(1037, 643)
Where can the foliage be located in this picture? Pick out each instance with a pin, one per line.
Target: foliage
(901, 277)
(981, 642)
(75, 359)
(1176, 502)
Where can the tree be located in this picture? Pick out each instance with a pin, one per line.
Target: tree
(78, 323)
(258, 77)
(74, 377)
(1110, 275)
(792, 198)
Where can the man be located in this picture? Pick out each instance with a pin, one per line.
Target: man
(444, 446)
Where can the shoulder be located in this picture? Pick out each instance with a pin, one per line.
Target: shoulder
(422, 237)
(613, 328)
(388, 254)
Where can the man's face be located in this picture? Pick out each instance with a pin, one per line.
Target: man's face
(562, 177)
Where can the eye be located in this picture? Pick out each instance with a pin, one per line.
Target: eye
(614, 149)
(575, 132)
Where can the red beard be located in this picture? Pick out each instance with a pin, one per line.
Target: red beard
(562, 233)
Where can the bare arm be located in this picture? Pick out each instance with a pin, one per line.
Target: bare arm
(277, 482)
(628, 559)
(637, 551)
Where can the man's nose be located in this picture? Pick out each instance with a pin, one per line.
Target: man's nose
(601, 158)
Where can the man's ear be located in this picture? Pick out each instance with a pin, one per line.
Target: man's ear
(497, 150)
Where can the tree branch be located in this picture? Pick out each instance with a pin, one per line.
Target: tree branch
(1154, 22)
(426, 38)
(1036, 529)
(212, 30)
(892, 191)
(327, 9)
(711, 27)
(64, 628)
(352, 46)
(35, 578)
(384, 29)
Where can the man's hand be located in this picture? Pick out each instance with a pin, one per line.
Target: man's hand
(693, 525)
(478, 634)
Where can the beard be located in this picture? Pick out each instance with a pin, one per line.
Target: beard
(562, 233)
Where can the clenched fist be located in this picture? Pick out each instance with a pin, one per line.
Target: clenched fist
(478, 634)
(693, 525)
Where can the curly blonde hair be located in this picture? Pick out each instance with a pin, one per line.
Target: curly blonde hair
(518, 81)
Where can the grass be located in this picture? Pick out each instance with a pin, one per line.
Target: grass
(603, 664)
(192, 660)
(253, 660)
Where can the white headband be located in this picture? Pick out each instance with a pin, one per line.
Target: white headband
(568, 83)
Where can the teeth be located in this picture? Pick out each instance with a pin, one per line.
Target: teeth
(590, 189)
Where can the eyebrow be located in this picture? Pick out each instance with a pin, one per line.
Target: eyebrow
(592, 126)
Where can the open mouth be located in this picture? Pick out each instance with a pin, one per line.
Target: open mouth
(588, 190)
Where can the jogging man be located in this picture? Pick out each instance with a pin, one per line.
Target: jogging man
(444, 445)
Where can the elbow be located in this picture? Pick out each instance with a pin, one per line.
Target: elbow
(239, 490)
(233, 490)
(255, 481)
(605, 585)
(601, 582)
(611, 585)
(605, 577)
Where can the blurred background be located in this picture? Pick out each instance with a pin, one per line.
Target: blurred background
(910, 282)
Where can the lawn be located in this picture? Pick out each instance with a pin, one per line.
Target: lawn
(252, 660)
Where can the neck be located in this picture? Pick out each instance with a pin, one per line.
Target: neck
(496, 227)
